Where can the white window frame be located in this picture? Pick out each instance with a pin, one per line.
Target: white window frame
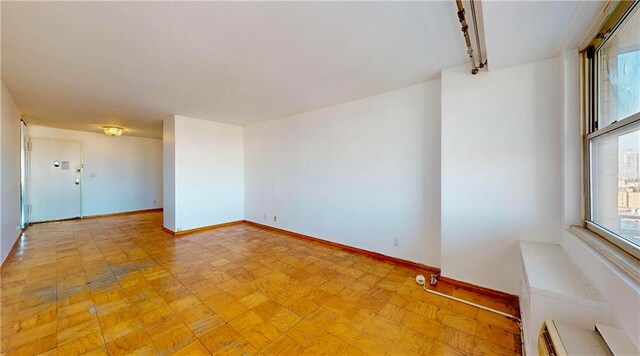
(613, 18)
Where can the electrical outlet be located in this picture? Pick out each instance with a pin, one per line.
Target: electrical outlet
(396, 242)
(155, 203)
(265, 216)
(275, 218)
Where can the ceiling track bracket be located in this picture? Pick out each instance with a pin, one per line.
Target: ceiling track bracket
(480, 63)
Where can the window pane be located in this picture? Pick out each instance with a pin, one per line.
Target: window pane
(615, 181)
(620, 74)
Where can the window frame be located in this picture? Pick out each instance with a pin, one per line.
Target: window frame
(613, 18)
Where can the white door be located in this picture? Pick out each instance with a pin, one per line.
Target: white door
(55, 178)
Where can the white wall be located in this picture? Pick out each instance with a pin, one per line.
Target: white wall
(571, 140)
(209, 172)
(169, 173)
(360, 173)
(9, 173)
(501, 169)
(120, 173)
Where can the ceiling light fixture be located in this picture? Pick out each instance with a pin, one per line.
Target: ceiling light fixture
(113, 130)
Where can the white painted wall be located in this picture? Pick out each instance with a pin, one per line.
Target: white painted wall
(360, 173)
(9, 173)
(571, 140)
(209, 172)
(127, 169)
(501, 169)
(169, 173)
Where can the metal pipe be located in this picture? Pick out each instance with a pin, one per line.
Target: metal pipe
(465, 32)
(481, 62)
(506, 315)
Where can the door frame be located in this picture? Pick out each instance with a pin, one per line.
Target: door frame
(81, 173)
(24, 172)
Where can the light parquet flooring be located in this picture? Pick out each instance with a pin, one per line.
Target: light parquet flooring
(120, 285)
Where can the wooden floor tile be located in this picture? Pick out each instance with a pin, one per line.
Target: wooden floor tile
(262, 335)
(495, 335)
(121, 285)
(456, 338)
(246, 322)
(222, 338)
(173, 339)
(346, 330)
(195, 348)
(82, 344)
(285, 346)
(484, 348)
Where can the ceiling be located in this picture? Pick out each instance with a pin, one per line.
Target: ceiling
(82, 65)
(518, 32)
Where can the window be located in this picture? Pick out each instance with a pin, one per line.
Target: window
(612, 110)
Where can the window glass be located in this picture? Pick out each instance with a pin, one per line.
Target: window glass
(620, 74)
(615, 178)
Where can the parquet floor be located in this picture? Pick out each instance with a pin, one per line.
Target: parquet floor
(119, 285)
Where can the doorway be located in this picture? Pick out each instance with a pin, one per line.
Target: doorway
(55, 179)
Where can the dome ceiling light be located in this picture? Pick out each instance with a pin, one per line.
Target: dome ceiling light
(113, 130)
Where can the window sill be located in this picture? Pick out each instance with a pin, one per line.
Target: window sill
(627, 263)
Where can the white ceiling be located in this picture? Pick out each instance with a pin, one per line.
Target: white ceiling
(81, 65)
(518, 32)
